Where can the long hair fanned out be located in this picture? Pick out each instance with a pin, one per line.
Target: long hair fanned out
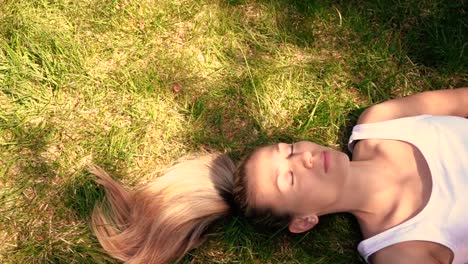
(162, 221)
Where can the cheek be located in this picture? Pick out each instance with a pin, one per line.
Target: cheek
(302, 193)
(311, 188)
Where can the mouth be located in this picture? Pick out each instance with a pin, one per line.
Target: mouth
(326, 160)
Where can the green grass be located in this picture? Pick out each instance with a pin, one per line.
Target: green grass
(135, 85)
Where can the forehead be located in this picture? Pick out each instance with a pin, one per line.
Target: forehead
(261, 172)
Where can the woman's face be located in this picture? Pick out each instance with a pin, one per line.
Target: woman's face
(301, 178)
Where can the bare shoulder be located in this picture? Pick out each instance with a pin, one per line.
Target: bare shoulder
(411, 252)
(450, 102)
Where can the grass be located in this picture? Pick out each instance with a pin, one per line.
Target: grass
(134, 85)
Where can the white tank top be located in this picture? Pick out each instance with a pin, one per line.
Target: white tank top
(443, 141)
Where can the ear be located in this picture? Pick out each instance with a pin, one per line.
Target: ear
(301, 224)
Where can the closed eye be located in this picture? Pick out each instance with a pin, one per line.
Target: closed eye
(291, 172)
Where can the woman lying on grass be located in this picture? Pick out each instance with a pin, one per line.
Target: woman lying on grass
(407, 185)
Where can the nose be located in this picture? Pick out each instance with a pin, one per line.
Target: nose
(307, 160)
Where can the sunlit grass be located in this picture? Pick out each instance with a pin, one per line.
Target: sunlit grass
(135, 85)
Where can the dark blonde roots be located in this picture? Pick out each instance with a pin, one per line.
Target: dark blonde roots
(163, 220)
(261, 217)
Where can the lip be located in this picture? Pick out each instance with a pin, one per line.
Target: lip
(326, 160)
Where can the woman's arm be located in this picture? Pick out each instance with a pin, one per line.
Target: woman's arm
(403, 253)
(441, 102)
(406, 259)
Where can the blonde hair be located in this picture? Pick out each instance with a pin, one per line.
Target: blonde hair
(163, 220)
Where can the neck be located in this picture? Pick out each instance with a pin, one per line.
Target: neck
(367, 192)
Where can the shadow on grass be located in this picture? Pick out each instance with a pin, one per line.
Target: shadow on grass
(30, 141)
(40, 173)
(34, 200)
(415, 44)
(82, 194)
(294, 19)
(422, 44)
(434, 33)
(224, 121)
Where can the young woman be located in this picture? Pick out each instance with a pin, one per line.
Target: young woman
(407, 185)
